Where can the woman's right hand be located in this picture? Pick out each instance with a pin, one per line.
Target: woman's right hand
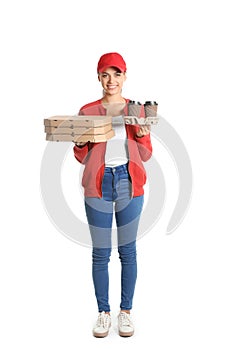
(79, 144)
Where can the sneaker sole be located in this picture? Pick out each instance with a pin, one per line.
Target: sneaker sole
(100, 335)
(126, 334)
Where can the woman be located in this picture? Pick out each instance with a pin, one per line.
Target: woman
(113, 181)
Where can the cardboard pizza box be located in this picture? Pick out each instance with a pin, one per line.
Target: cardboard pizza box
(80, 138)
(56, 130)
(78, 121)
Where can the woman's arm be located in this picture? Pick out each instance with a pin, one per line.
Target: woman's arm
(144, 142)
(81, 152)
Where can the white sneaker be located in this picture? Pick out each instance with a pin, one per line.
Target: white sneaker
(125, 325)
(102, 326)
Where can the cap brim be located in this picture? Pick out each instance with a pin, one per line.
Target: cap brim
(106, 67)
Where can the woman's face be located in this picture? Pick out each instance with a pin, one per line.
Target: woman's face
(112, 81)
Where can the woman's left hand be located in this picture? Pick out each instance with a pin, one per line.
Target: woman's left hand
(143, 130)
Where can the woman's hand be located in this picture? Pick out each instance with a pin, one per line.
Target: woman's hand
(79, 144)
(143, 130)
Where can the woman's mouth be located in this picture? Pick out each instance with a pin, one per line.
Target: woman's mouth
(111, 87)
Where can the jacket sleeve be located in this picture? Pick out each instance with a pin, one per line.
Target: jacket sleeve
(144, 142)
(144, 147)
(81, 153)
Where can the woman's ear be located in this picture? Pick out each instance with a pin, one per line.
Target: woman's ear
(125, 76)
(98, 77)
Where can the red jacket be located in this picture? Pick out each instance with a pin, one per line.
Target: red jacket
(92, 155)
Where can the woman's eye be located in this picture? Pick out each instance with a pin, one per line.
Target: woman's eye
(118, 74)
(104, 75)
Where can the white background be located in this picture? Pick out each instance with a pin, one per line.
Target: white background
(177, 52)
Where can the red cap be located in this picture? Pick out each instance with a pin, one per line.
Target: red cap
(112, 59)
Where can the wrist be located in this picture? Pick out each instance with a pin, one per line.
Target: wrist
(80, 144)
(139, 136)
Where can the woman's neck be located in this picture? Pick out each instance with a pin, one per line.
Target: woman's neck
(114, 105)
(113, 99)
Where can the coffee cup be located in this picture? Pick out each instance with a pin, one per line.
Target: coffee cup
(134, 108)
(150, 108)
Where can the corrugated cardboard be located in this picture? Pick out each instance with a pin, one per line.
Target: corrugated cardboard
(78, 121)
(80, 138)
(133, 120)
(57, 130)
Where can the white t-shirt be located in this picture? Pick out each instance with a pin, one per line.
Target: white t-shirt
(117, 147)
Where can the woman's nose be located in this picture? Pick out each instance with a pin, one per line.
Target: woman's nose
(110, 79)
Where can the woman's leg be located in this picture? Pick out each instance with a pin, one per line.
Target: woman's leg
(128, 212)
(127, 255)
(99, 215)
(100, 260)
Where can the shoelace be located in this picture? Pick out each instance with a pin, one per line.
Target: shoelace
(124, 319)
(103, 320)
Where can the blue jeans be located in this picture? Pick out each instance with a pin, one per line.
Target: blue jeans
(116, 189)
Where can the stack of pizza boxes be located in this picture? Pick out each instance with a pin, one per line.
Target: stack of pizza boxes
(79, 128)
